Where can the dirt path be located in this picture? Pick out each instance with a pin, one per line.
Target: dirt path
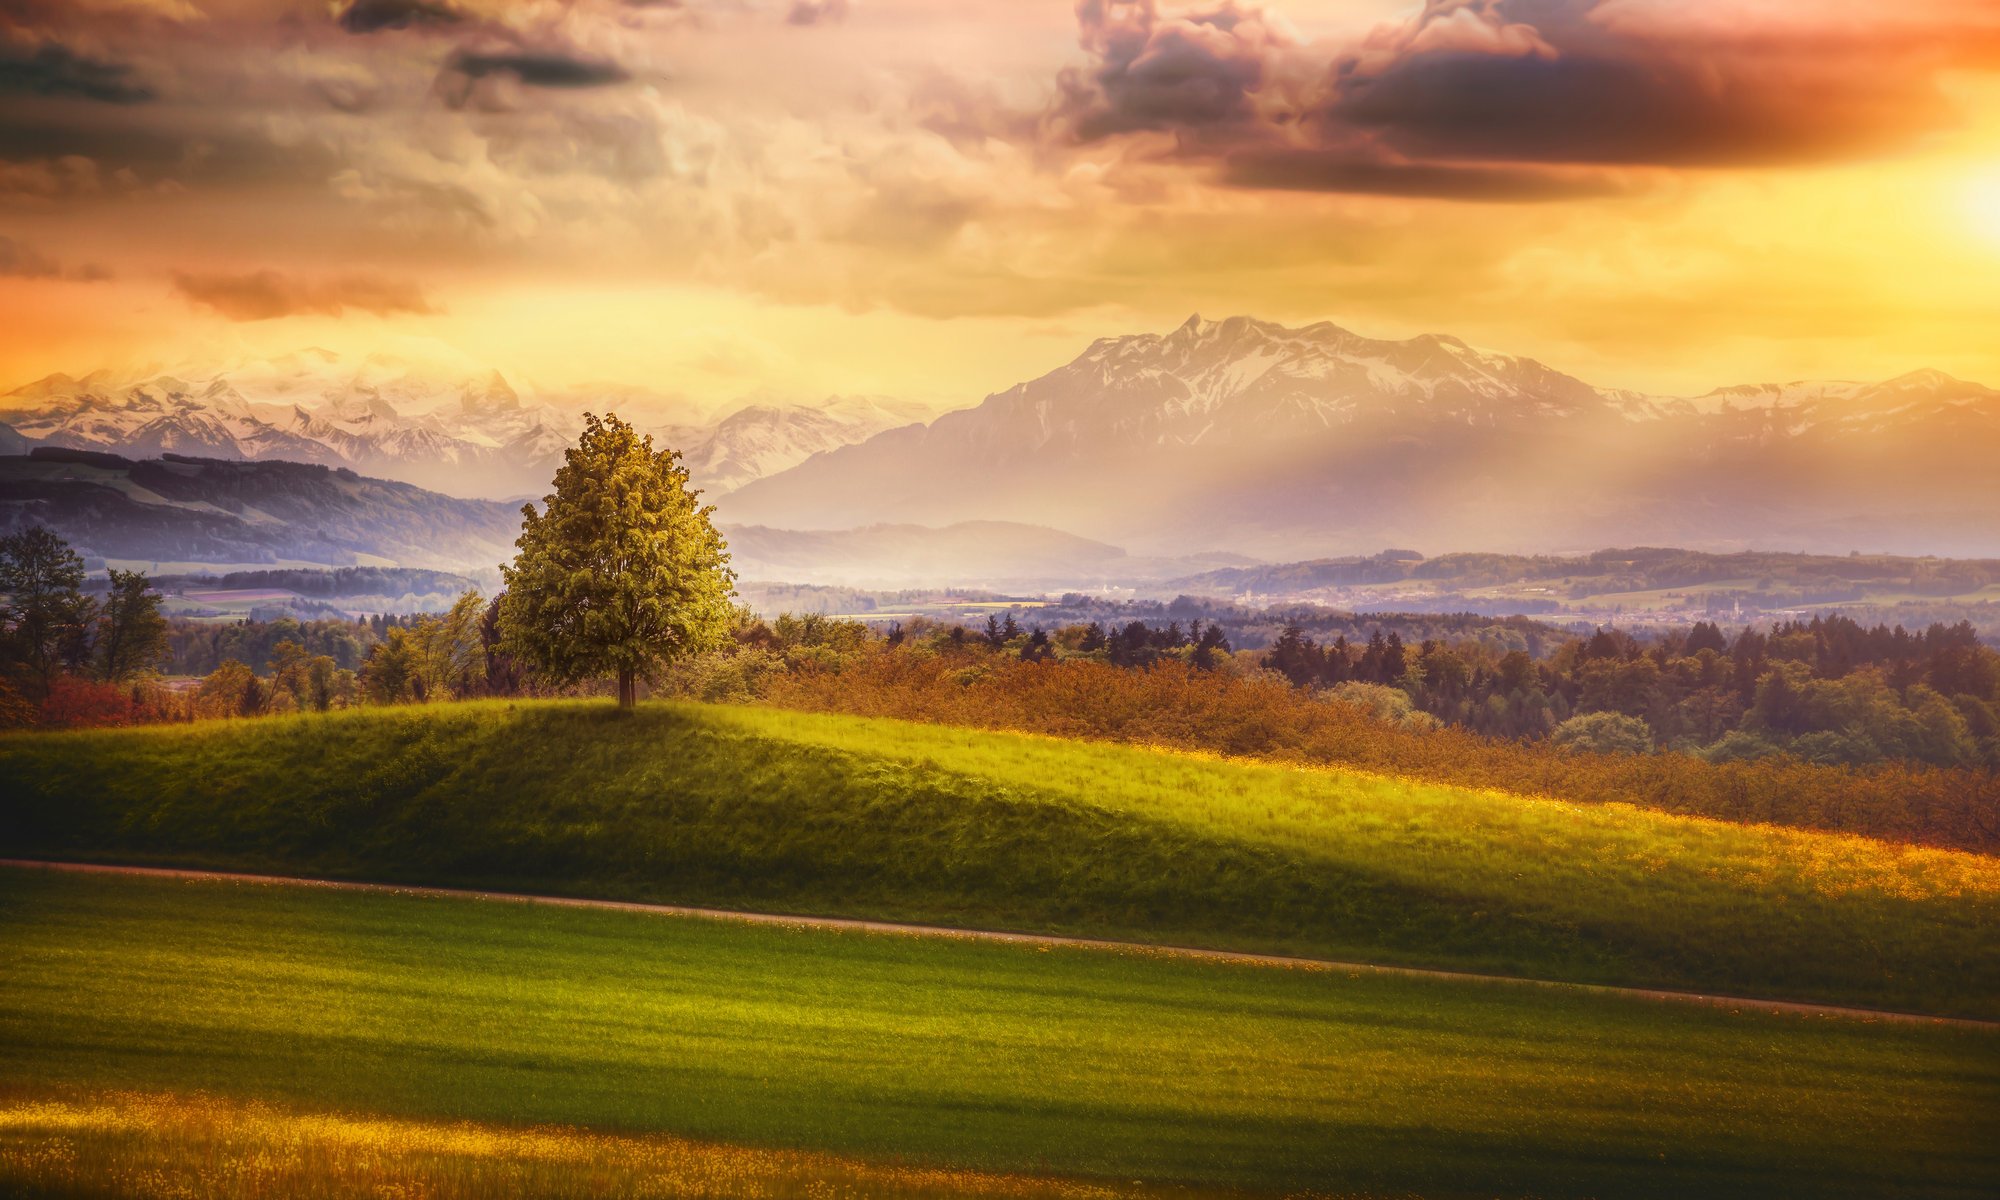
(1029, 939)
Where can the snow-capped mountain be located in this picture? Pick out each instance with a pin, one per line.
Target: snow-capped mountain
(1243, 380)
(762, 439)
(1272, 440)
(461, 432)
(469, 434)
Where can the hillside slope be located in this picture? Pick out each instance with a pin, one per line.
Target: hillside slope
(194, 510)
(791, 812)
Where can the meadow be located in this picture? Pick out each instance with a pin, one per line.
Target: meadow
(795, 812)
(145, 1023)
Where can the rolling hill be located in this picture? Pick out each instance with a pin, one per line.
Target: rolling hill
(780, 811)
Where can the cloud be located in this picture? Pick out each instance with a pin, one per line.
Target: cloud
(373, 16)
(812, 12)
(1510, 100)
(1192, 73)
(266, 295)
(1308, 170)
(53, 69)
(18, 261)
(1585, 81)
(546, 68)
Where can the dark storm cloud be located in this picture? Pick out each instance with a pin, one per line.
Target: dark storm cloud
(540, 68)
(53, 69)
(266, 295)
(373, 16)
(1343, 171)
(1518, 99)
(1552, 81)
(1189, 73)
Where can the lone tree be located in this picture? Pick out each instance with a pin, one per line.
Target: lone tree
(622, 573)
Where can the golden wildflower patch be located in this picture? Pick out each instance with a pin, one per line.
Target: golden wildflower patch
(152, 1144)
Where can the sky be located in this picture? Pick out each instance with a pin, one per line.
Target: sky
(935, 199)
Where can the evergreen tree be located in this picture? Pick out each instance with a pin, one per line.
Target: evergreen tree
(1212, 643)
(1394, 663)
(1295, 657)
(253, 700)
(623, 572)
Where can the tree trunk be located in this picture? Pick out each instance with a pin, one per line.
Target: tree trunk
(628, 689)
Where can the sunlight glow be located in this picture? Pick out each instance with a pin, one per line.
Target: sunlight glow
(1982, 205)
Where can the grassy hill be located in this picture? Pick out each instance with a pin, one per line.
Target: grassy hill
(1101, 1066)
(792, 812)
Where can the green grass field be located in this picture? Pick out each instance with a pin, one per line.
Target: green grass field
(792, 812)
(1116, 1065)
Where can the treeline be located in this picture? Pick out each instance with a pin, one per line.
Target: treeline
(1639, 569)
(1254, 628)
(330, 584)
(68, 658)
(199, 647)
(1827, 690)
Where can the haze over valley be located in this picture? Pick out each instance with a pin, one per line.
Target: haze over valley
(1236, 436)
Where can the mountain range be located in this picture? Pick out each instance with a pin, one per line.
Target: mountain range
(1285, 442)
(469, 434)
(1241, 435)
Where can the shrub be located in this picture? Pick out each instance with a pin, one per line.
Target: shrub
(1390, 705)
(75, 702)
(1604, 733)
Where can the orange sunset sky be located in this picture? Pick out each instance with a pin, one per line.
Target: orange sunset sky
(936, 198)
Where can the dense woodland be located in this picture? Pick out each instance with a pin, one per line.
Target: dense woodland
(326, 584)
(1826, 690)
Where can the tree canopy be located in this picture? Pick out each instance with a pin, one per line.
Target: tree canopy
(44, 615)
(623, 570)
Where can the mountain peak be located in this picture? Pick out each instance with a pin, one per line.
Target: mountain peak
(495, 395)
(1922, 377)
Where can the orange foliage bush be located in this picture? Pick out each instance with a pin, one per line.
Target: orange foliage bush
(75, 702)
(1266, 718)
